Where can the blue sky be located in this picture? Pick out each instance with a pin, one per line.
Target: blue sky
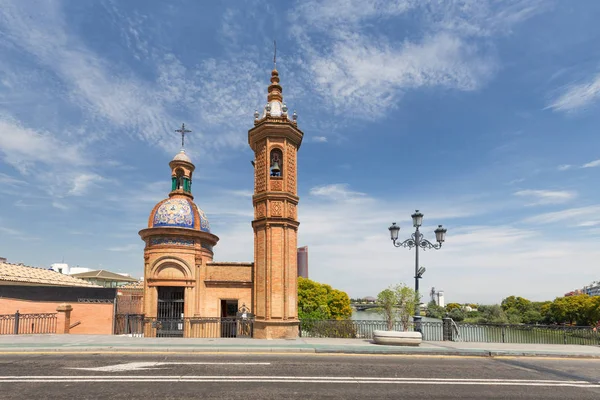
(482, 114)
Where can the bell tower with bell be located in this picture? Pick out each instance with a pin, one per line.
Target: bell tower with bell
(275, 140)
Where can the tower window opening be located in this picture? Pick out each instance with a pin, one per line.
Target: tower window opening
(179, 180)
(276, 162)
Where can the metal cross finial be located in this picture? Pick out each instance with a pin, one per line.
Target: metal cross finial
(183, 131)
(274, 54)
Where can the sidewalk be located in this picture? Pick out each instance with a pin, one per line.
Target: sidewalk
(107, 343)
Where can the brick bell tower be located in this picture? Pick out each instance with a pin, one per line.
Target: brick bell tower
(275, 139)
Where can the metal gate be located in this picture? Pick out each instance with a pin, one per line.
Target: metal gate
(240, 326)
(169, 318)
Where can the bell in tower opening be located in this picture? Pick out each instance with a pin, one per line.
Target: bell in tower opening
(276, 157)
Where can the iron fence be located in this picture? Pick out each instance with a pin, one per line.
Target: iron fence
(129, 324)
(363, 329)
(197, 327)
(530, 334)
(439, 331)
(23, 324)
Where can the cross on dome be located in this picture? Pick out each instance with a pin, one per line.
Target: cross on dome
(183, 131)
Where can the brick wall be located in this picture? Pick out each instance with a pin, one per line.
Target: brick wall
(95, 318)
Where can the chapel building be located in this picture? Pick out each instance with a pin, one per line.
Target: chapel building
(186, 293)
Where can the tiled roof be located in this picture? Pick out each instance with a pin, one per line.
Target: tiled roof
(104, 275)
(18, 273)
(134, 285)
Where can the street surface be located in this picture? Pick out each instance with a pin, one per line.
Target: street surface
(298, 376)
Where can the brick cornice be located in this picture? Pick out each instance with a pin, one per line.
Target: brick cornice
(275, 196)
(275, 221)
(269, 129)
(179, 232)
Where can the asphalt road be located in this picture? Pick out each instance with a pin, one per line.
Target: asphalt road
(255, 376)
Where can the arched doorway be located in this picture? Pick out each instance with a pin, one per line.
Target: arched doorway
(170, 311)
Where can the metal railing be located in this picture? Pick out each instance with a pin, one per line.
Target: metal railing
(129, 324)
(362, 329)
(530, 334)
(190, 327)
(439, 331)
(23, 324)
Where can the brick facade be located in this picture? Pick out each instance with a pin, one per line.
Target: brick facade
(182, 256)
(275, 225)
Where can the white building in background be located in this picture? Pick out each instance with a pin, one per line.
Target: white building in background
(61, 268)
(64, 268)
(593, 289)
(440, 299)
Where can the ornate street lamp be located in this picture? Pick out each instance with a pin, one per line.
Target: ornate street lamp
(417, 241)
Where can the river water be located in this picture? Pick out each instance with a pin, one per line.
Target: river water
(372, 315)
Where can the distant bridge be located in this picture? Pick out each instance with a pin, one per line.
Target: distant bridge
(363, 307)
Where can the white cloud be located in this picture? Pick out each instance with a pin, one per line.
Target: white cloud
(10, 233)
(10, 180)
(240, 193)
(82, 183)
(547, 196)
(125, 248)
(59, 205)
(336, 191)
(356, 71)
(591, 164)
(574, 215)
(22, 147)
(319, 139)
(589, 223)
(578, 96)
(564, 167)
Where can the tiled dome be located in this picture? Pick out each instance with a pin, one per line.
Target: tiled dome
(181, 156)
(179, 212)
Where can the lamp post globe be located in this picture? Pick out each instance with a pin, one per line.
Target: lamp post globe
(394, 229)
(440, 234)
(417, 219)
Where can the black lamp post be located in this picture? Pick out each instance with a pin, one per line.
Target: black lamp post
(417, 241)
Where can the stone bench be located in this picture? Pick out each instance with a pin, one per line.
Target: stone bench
(397, 338)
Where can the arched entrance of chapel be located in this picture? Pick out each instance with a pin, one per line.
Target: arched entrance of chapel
(170, 287)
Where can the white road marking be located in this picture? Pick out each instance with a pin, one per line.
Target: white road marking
(143, 366)
(302, 381)
(291, 379)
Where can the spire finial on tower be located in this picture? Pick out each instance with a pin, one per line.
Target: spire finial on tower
(274, 54)
(183, 131)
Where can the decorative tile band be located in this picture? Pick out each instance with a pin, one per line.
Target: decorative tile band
(172, 241)
(80, 300)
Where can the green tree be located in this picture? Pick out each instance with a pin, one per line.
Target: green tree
(532, 317)
(520, 304)
(435, 311)
(321, 301)
(452, 306)
(457, 314)
(577, 309)
(492, 314)
(386, 300)
(397, 303)
(594, 311)
(339, 304)
(513, 316)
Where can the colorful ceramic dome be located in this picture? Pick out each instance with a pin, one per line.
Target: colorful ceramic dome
(179, 212)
